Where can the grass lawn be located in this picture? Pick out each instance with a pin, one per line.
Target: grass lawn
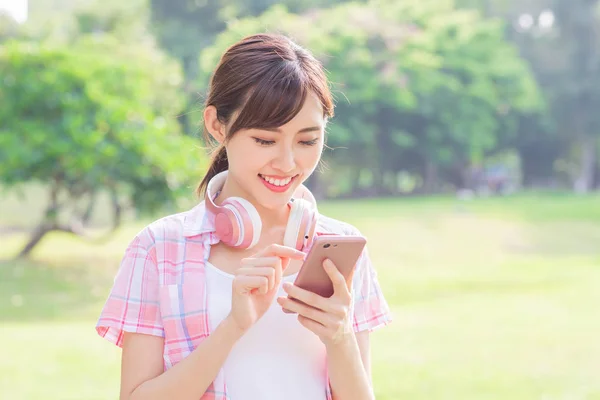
(493, 299)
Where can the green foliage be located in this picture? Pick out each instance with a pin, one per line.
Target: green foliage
(420, 85)
(93, 116)
(126, 21)
(200, 22)
(562, 52)
(186, 28)
(415, 80)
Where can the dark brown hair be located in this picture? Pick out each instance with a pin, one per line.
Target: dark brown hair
(264, 78)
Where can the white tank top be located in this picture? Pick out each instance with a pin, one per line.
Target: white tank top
(277, 358)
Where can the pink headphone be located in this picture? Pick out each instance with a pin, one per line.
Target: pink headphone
(238, 224)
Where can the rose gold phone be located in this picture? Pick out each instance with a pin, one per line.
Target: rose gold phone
(344, 251)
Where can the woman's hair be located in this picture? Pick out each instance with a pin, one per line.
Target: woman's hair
(264, 79)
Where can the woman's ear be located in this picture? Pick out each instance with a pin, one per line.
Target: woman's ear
(212, 124)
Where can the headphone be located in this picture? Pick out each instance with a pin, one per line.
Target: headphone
(238, 224)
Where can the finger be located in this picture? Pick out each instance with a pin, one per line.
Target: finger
(267, 272)
(305, 310)
(281, 251)
(307, 297)
(339, 282)
(313, 326)
(275, 262)
(248, 284)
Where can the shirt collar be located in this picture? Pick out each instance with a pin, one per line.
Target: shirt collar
(198, 221)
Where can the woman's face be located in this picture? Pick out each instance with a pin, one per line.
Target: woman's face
(267, 166)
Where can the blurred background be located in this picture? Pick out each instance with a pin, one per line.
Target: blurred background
(465, 147)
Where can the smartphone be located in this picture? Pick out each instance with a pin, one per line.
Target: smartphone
(344, 251)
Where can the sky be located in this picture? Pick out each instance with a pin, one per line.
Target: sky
(15, 8)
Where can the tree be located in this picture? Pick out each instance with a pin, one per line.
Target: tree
(185, 28)
(90, 118)
(561, 41)
(421, 85)
(579, 82)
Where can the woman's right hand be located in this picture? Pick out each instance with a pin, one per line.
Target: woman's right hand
(256, 283)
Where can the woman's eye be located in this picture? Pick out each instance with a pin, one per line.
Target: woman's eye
(263, 142)
(310, 142)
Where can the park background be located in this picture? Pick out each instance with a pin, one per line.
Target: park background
(465, 147)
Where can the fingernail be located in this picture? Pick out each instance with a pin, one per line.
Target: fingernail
(286, 286)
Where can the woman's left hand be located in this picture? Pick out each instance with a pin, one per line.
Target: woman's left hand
(329, 318)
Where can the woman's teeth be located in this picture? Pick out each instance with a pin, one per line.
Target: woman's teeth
(276, 182)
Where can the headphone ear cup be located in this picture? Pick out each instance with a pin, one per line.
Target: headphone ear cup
(237, 222)
(248, 221)
(300, 227)
(227, 224)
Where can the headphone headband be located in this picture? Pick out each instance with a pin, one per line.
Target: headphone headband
(217, 181)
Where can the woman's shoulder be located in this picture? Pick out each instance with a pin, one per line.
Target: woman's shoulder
(171, 227)
(329, 225)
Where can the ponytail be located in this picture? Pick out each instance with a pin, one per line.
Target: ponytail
(218, 164)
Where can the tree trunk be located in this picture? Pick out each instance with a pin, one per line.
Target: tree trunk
(355, 181)
(596, 183)
(87, 215)
(468, 177)
(49, 223)
(430, 178)
(585, 181)
(315, 185)
(77, 226)
(378, 182)
(35, 238)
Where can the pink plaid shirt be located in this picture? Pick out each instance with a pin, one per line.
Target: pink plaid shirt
(160, 290)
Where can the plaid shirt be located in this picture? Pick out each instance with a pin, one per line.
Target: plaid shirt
(160, 290)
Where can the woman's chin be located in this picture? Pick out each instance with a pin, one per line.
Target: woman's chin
(274, 203)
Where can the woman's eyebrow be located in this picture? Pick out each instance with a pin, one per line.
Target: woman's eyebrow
(303, 130)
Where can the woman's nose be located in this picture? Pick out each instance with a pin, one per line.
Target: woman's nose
(286, 160)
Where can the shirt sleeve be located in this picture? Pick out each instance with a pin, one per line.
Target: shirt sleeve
(370, 308)
(133, 302)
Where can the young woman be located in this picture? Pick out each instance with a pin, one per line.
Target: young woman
(197, 303)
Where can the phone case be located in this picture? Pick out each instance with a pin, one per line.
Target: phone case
(344, 251)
